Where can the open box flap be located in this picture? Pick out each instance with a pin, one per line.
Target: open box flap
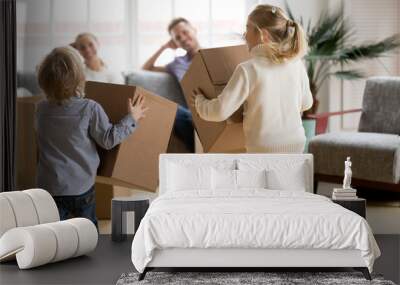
(221, 62)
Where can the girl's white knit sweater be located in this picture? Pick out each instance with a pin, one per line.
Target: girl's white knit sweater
(273, 95)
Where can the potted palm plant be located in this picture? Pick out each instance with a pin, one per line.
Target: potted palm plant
(331, 51)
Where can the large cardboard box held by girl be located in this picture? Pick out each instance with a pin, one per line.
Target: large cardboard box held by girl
(133, 163)
(210, 71)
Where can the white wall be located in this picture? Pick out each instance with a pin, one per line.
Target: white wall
(45, 24)
(218, 22)
(373, 21)
(129, 30)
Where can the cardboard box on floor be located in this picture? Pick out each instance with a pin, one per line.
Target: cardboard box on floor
(210, 71)
(26, 152)
(133, 163)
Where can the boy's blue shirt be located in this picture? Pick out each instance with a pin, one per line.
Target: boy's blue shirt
(67, 136)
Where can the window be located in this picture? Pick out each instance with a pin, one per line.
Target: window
(218, 22)
(45, 24)
(129, 31)
(33, 31)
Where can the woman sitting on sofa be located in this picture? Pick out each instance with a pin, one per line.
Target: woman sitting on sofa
(95, 69)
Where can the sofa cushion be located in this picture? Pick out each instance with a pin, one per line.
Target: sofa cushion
(375, 157)
(28, 80)
(160, 83)
(381, 105)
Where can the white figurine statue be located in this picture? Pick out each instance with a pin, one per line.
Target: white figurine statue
(347, 174)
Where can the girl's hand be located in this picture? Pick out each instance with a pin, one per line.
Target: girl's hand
(196, 92)
(136, 107)
(192, 100)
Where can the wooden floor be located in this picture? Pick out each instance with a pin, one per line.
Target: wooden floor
(110, 260)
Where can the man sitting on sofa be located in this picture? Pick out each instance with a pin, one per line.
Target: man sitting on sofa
(183, 35)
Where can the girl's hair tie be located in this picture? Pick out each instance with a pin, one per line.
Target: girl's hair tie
(290, 23)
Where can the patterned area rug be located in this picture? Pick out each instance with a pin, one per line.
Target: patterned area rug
(243, 278)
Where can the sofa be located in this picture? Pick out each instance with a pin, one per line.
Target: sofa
(374, 149)
(160, 83)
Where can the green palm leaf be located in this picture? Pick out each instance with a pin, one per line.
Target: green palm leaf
(368, 51)
(289, 12)
(331, 44)
(349, 74)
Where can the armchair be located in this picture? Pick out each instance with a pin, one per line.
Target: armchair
(374, 149)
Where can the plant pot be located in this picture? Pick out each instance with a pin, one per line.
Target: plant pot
(313, 110)
(309, 129)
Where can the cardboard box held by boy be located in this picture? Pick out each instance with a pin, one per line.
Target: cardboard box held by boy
(134, 163)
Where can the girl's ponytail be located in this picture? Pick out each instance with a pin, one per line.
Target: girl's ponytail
(287, 38)
(298, 47)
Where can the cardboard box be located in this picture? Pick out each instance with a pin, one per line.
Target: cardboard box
(210, 71)
(133, 163)
(26, 152)
(104, 194)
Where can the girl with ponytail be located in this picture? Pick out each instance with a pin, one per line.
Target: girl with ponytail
(273, 85)
(283, 39)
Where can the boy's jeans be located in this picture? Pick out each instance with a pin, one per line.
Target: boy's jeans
(83, 205)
